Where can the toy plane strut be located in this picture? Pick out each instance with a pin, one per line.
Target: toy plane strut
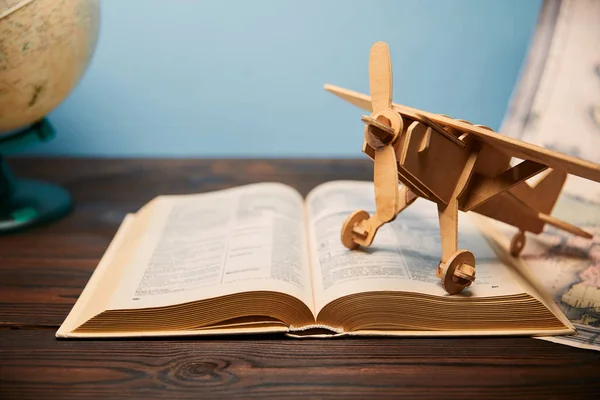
(458, 166)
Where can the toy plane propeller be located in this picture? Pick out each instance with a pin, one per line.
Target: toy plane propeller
(458, 166)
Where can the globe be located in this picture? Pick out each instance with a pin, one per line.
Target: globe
(45, 47)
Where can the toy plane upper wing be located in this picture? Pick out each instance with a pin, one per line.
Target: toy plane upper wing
(508, 145)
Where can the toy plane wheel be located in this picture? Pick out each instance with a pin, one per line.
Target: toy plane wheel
(352, 226)
(458, 272)
(517, 244)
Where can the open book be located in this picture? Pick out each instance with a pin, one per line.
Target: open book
(259, 258)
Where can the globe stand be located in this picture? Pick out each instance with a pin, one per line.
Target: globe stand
(25, 203)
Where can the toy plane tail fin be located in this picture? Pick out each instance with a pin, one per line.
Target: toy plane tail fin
(543, 194)
(547, 190)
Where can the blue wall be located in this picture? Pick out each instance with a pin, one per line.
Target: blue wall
(245, 78)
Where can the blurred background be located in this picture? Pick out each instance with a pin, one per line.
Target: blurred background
(192, 78)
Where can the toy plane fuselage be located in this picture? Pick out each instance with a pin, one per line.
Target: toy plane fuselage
(431, 165)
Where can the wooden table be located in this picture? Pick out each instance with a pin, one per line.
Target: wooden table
(43, 271)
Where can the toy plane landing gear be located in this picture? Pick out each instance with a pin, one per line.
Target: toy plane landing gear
(458, 166)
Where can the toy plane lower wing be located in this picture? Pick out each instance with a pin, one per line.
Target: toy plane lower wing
(510, 146)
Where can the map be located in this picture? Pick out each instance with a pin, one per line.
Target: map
(568, 267)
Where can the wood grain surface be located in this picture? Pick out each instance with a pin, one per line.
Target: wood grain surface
(43, 271)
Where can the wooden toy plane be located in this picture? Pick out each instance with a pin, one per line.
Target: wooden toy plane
(458, 166)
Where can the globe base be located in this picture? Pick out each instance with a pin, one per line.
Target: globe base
(26, 203)
(32, 203)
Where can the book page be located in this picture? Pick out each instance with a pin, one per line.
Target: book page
(195, 247)
(404, 255)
